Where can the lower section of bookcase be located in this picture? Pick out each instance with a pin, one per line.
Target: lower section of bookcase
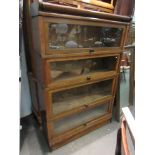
(66, 137)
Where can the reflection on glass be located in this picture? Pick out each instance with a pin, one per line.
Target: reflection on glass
(79, 119)
(73, 68)
(75, 97)
(63, 36)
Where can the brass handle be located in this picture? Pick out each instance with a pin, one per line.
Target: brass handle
(85, 124)
(88, 78)
(91, 50)
(86, 106)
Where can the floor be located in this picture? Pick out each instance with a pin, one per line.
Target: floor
(100, 141)
(33, 142)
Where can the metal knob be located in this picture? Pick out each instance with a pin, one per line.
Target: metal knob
(91, 51)
(88, 78)
(86, 106)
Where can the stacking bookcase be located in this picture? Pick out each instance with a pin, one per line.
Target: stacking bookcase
(75, 67)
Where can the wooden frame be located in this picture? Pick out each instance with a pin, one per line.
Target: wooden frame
(83, 107)
(45, 77)
(34, 97)
(84, 50)
(44, 94)
(40, 26)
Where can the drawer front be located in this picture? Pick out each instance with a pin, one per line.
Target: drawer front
(62, 73)
(63, 36)
(68, 101)
(34, 97)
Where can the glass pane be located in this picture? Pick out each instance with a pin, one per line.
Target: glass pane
(79, 119)
(74, 68)
(76, 97)
(63, 36)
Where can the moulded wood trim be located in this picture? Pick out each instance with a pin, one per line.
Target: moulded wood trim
(82, 79)
(76, 11)
(80, 54)
(89, 56)
(79, 84)
(72, 19)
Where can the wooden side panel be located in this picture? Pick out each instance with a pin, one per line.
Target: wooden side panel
(38, 34)
(34, 97)
(39, 69)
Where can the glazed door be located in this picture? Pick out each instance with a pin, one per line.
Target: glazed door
(67, 101)
(66, 72)
(73, 36)
(80, 119)
(66, 36)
